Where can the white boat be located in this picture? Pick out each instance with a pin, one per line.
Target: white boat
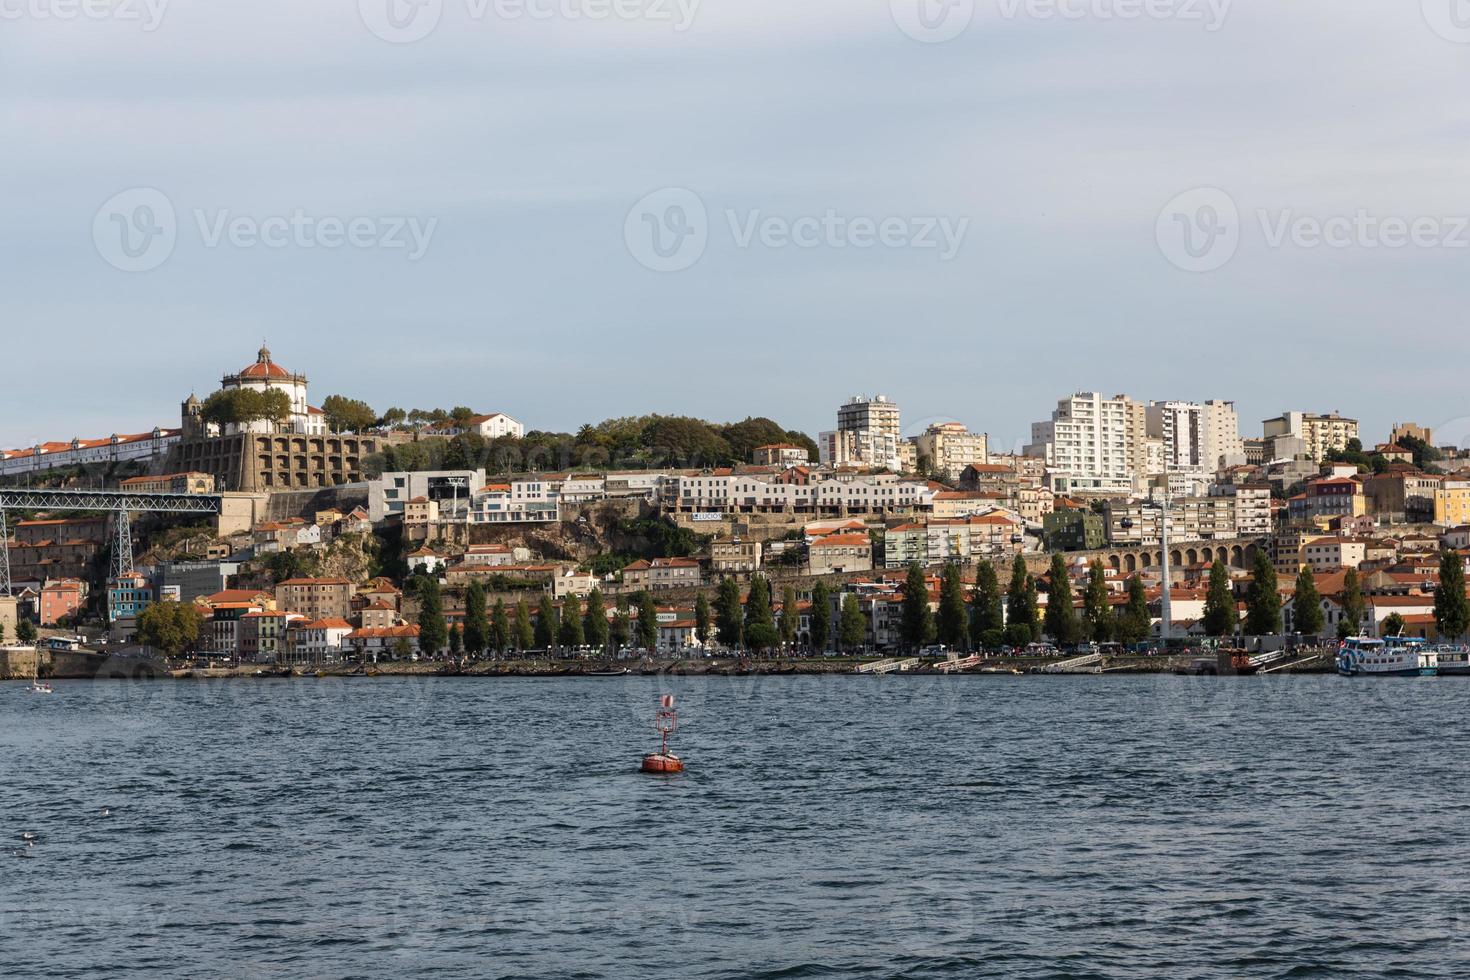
(1452, 659)
(1397, 656)
(38, 688)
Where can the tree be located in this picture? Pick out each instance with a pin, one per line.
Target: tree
(790, 616)
(456, 641)
(1097, 610)
(647, 622)
(1451, 608)
(1134, 622)
(499, 627)
(1220, 615)
(621, 633)
(915, 621)
(954, 617)
(392, 418)
(572, 635)
(1061, 616)
(476, 622)
(525, 633)
(1393, 625)
(821, 617)
(852, 626)
(348, 414)
(760, 625)
(1263, 601)
(987, 616)
(1353, 606)
(729, 614)
(595, 621)
(703, 622)
(1020, 605)
(433, 634)
(168, 626)
(1307, 604)
(548, 624)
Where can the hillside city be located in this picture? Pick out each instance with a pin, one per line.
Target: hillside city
(337, 533)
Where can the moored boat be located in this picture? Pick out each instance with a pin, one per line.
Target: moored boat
(1452, 659)
(1397, 656)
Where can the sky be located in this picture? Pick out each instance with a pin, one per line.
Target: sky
(569, 210)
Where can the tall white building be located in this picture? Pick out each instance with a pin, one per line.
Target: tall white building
(1198, 438)
(1092, 443)
(868, 432)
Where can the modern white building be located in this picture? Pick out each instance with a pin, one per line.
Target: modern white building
(1198, 438)
(1092, 443)
(868, 432)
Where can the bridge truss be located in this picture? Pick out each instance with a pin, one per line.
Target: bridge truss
(118, 503)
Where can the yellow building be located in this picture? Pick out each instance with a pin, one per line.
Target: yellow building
(1452, 503)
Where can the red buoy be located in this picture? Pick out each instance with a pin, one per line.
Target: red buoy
(664, 761)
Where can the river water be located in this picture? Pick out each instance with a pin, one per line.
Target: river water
(834, 827)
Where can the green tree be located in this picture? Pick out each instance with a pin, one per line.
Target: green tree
(916, 619)
(790, 616)
(1393, 625)
(1263, 601)
(168, 626)
(729, 614)
(1020, 604)
(572, 635)
(348, 414)
(525, 633)
(703, 620)
(987, 615)
(548, 624)
(1353, 606)
(821, 618)
(595, 621)
(1451, 608)
(621, 634)
(760, 626)
(499, 627)
(1134, 622)
(1061, 615)
(647, 622)
(852, 626)
(954, 617)
(476, 622)
(1220, 615)
(1097, 610)
(433, 633)
(456, 641)
(1307, 604)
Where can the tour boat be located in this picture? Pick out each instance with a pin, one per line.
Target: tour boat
(1398, 656)
(1453, 660)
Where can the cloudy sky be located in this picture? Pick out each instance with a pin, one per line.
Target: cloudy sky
(575, 209)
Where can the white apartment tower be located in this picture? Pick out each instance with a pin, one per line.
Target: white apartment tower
(1198, 439)
(868, 432)
(1092, 443)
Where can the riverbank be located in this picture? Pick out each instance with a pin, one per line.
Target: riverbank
(718, 667)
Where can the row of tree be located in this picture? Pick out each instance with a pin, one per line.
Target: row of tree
(501, 629)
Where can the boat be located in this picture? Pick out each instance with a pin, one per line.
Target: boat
(1452, 659)
(620, 672)
(37, 687)
(1395, 656)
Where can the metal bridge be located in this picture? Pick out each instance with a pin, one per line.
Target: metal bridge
(117, 502)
